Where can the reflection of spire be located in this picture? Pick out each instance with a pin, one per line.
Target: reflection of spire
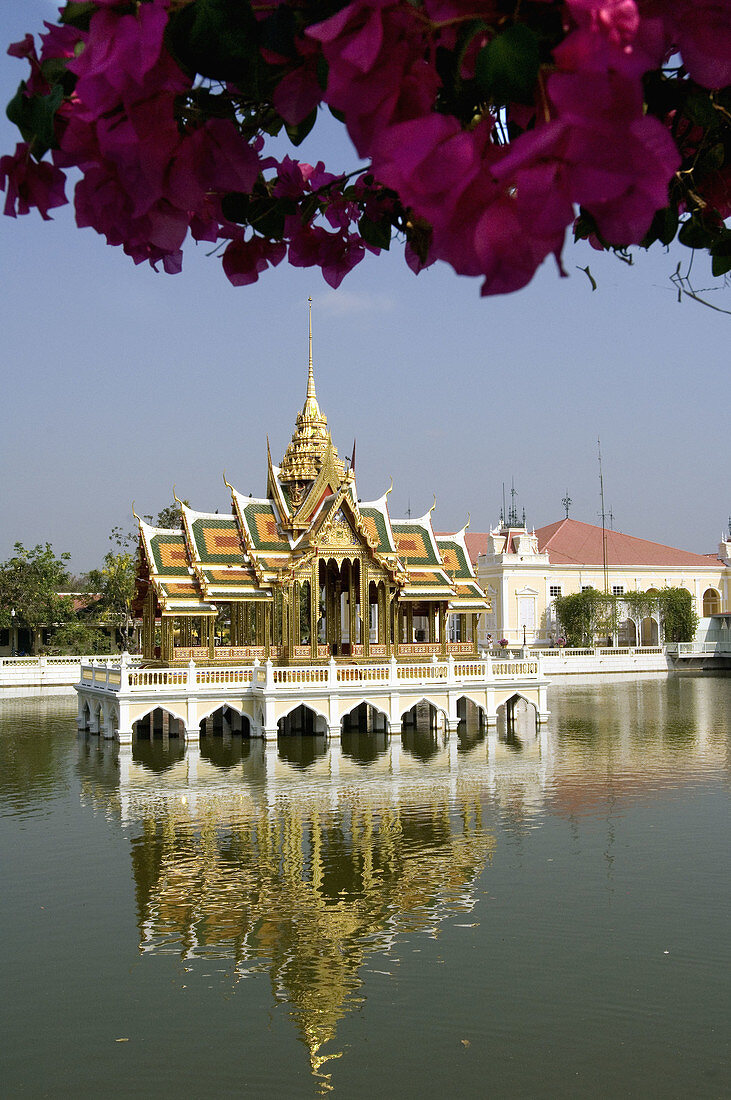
(310, 895)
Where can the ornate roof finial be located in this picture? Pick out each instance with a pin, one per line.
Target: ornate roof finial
(177, 498)
(390, 488)
(305, 454)
(134, 513)
(310, 375)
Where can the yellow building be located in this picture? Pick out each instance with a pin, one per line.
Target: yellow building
(523, 572)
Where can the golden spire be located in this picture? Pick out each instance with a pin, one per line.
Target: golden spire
(304, 455)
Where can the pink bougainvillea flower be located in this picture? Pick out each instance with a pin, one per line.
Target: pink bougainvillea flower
(244, 261)
(701, 31)
(377, 74)
(28, 184)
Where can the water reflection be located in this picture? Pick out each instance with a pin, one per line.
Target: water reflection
(304, 859)
(301, 884)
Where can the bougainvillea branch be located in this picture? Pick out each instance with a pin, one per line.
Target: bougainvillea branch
(485, 130)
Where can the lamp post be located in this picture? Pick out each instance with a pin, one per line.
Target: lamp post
(13, 647)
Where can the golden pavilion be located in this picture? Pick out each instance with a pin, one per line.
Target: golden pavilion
(306, 573)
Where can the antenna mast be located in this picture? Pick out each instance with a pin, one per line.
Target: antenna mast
(604, 519)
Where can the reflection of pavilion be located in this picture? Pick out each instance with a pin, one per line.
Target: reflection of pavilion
(279, 868)
(307, 595)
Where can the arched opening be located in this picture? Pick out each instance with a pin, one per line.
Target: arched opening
(364, 734)
(472, 724)
(302, 722)
(158, 723)
(302, 737)
(627, 633)
(711, 602)
(158, 741)
(517, 722)
(421, 726)
(225, 722)
(225, 737)
(649, 631)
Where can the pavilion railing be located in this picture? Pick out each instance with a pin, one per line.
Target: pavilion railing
(267, 676)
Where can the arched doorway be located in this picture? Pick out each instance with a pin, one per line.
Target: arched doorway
(627, 633)
(649, 631)
(711, 602)
(339, 622)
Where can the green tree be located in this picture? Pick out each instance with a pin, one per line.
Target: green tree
(679, 620)
(114, 584)
(30, 585)
(581, 615)
(169, 516)
(78, 636)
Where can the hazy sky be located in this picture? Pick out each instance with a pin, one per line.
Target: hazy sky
(118, 383)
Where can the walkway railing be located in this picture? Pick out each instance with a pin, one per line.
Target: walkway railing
(121, 677)
(699, 649)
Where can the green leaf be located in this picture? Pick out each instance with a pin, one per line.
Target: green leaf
(720, 265)
(277, 31)
(507, 67)
(78, 14)
(663, 228)
(376, 234)
(34, 116)
(218, 39)
(298, 133)
(235, 207)
(699, 108)
(694, 234)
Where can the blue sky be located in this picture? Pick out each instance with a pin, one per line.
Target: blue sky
(118, 383)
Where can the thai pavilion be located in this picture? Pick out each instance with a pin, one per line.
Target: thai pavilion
(302, 609)
(306, 573)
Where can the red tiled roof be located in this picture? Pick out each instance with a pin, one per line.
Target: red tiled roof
(571, 542)
(476, 542)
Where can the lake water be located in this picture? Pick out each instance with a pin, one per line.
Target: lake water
(536, 918)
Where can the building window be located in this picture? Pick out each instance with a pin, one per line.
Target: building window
(586, 587)
(554, 590)
(618, 590)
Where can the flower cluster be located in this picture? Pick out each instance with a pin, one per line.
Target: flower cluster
(489, 129)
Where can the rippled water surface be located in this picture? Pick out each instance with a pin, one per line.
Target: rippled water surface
(540, 917)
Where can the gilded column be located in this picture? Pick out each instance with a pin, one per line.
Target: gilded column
(314, 607)
(352, 617)
(296, 599)
(443, 628)
(267, 630)
(365, 609)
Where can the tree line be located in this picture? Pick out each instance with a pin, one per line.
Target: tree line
(56, 612)
(591, 613)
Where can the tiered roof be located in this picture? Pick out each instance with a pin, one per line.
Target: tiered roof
(311, 498)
